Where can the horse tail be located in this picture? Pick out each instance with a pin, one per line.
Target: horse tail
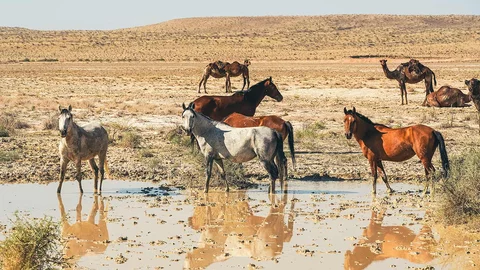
(282, 160)
(107, 170)
(443, 153)
(289, 127)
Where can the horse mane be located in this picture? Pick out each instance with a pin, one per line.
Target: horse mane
(251, 88)
(364, 118)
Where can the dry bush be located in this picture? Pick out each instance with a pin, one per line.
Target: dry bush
(459, 198)
(51, 123)
(33, 244)
(7, 124)
(130, 139)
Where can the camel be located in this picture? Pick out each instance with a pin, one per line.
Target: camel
(448, 96)
(474, 92)
(221, 69)
(410, 72)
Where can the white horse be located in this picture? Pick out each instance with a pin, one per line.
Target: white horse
(219, 141)
(81, 143)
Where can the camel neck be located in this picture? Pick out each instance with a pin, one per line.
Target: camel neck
(388, 73)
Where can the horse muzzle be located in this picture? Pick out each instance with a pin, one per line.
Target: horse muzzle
(348, 135)
(279, 98)
(63, 133)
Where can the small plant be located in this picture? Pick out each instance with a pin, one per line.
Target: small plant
(8, 156)
(310, 131)
(459, 199)
(51, 123)
(177, 136)
(33, 244)
(130, 139)
(7, 124)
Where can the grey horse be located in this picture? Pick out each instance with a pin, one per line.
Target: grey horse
(81, 143)
(218, 141)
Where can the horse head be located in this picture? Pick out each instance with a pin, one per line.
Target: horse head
(64, 120)
(349, 122)
(188, 117)
(271, 90)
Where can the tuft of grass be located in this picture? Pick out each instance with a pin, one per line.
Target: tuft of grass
(310, 131)
(51, 123)
(33, 244)
(177, 136)
(7, 124)
(459, 192)
(8, 156)
(4, 132)
(130, 139)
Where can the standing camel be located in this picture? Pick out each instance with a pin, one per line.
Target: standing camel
(221, 69)
(411, 72)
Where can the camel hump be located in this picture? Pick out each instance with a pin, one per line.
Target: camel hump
(220, 64)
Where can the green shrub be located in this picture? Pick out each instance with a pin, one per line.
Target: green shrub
(460, 200)
(33, 244)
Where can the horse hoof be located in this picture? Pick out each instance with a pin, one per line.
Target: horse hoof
(205, 190)
(390, 191)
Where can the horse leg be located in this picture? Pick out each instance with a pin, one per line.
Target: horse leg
(93, 211)
(102, 159)
(78, 165)
(63, 168)
(209, 160)
(282, 171)
(384, 176)
(272, 172)
(427, 164)
(373, 167)
(219, 164)
(95, 171)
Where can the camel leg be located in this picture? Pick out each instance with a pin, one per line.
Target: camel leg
(384, 176)
(63, 168)
(272, 172)
(209, 161)
(94, 167)
(219, 164)
(403, 90)
(204, 80)
(78, 165)
(228, 87)
(428, 89)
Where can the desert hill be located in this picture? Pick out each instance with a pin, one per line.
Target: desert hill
(258, 38)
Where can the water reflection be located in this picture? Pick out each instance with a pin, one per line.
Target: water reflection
(85, 236)
(229, 228)
(383, 242)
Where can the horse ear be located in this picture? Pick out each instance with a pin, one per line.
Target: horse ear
(345, 110)
(69, 108)
(354, 111)
(60, 107)
(183, 106)
(466, 82)
(192, 106)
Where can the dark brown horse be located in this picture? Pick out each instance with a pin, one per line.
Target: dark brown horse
(272, 121)
(244, 102)
(379, 142)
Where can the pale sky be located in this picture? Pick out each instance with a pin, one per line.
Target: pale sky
(115, 14)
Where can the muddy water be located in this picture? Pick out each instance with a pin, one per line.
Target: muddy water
(336, 225)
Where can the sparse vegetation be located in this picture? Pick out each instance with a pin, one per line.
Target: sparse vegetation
(33, 244)
(7, 124)
(459, 199)
(8, 156)
(51, 123)
(130, 139)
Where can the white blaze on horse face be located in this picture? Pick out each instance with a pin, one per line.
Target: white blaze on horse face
(187, 118)
(63, 123)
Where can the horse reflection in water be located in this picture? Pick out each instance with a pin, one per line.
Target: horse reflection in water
(384, 242)
(229, 228)
(84, 237)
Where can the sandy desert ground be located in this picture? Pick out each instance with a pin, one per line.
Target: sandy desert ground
(134, 82)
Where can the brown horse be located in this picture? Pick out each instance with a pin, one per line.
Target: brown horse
(448, 96)
(221, 69)
(379, 142)
(244, 102)
(383, 242)
(410, 72)
(283, 127)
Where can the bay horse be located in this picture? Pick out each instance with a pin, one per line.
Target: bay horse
(218, 141)
(379, 142)
(81, 143)
(244, 102)
(285, 128)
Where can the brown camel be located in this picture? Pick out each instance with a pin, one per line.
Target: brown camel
(221, 69)
(448, 96)
(410, 72)
(474, 91)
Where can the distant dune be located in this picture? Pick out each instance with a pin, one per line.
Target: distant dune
(257, 38)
